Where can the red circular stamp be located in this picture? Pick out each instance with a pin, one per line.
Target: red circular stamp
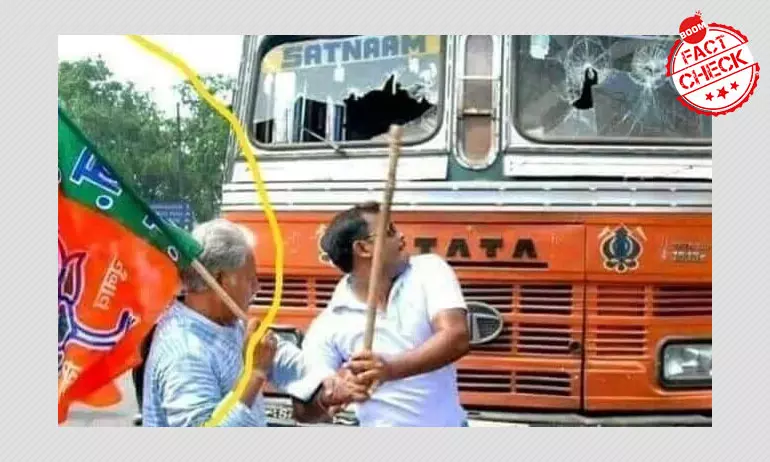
(712, 67)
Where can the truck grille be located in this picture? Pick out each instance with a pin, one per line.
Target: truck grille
(293, 295)
(484, 381)
(620, 300)
(627, 301)
(544, 339)
(553, 299)
(307, 293)
(534, 317)
(533, 314)
(520, 382)
(619, 316)
(543, 383)
(682, 300)
(499, 296)
(619, 340)
(324, 288)
(537, 360)
(502, 344)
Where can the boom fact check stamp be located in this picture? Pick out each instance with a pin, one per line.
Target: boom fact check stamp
(712, 67)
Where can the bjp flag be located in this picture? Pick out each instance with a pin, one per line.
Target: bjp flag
(119, 269)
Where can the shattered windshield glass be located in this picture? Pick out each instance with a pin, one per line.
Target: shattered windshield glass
(601, 88)
(341, 90)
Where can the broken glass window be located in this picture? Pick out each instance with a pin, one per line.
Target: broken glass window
(342, 90)
(601, 88)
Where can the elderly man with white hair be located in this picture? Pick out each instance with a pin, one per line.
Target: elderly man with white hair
(197, 352)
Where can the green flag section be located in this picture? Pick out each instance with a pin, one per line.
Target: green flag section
(118, 272)
(85, 177)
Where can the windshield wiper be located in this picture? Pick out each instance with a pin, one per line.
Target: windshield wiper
(328, 142)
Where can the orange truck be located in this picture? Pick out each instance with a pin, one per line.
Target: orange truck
(558, 175)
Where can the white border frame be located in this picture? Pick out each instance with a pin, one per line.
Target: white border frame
(740, 255)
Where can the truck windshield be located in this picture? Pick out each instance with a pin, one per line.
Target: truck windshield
(341, 91)
(600, 88)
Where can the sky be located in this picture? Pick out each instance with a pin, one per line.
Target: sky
(206, 54)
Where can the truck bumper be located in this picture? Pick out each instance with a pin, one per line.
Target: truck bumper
(483, 418)
(279, 414)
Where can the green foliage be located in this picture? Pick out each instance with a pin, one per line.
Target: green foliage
(205, 136)
(154, 151)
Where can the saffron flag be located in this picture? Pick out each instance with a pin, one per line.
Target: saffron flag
(118, 272)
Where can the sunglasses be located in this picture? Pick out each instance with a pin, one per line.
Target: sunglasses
(391, 231)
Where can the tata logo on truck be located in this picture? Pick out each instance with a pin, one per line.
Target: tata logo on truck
(485, 323)
(519, 254)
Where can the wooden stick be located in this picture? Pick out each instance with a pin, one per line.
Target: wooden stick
(234, 308)
(382, 225)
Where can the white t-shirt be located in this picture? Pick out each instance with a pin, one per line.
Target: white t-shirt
(427, 287)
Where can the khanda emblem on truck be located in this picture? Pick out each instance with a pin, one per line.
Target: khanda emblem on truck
(621, 248)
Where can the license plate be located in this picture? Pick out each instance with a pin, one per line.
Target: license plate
(278, 412)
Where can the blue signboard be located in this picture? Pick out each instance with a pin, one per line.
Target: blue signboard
(179, 213)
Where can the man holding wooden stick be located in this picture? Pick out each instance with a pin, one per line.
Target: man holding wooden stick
(420, 328)
(198, 348)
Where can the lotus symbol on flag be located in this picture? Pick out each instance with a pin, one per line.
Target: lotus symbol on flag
(71, 330)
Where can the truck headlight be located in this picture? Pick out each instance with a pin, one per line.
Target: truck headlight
(686, 364)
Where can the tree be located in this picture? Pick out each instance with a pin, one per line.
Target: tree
(204, 141)
(125, 123)
(142, 143)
